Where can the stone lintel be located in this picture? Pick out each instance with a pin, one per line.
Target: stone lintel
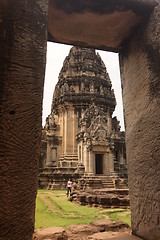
(102, 24)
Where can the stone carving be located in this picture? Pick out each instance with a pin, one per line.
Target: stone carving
(92, 88)
(72, 89)
(95, 122)
(66, 87)
(101, 90)
(82, 87)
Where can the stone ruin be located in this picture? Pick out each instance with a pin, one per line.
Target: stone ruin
(100, 229)
(103, 198)
(129, 27)
(81, 140)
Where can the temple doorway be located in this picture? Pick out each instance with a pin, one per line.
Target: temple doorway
(99, 163)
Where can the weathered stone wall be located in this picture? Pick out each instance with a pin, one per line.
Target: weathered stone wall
(140, 73)
(105, 198)
(23, 36)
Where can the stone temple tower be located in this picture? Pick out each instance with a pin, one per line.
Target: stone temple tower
(80, 132)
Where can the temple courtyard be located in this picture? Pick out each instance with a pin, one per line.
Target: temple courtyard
(58, 218)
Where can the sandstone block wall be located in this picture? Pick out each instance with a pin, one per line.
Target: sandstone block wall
(23, 36)
(140, 73)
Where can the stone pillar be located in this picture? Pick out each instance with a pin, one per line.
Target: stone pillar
(62, 131)
(111, 162)
(69, 131)
(74, 133)
(23, 38)
(82, 152)
(109, 122)
(75, 117)
(86, 159)
(91, 162)
(65, 131)
(140, 71)
(106, 163)
(48, 160)
(94, 164)
(122, 159)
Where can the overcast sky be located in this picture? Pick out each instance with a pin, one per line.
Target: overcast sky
(56, 54)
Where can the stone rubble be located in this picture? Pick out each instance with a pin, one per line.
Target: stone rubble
(98, 230)
(106, 198)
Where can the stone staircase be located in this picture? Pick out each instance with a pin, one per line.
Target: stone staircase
(121, 183)
(107, 182)
(95, 182)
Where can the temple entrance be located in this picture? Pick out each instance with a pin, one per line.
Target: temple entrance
(99, 163)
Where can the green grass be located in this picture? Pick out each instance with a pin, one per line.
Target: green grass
(53, 209)
(44, 218)
(55, 192)
(120, 215)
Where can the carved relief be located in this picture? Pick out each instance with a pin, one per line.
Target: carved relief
(66, 87)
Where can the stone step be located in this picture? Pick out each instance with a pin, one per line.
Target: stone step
(107, 185)
(98, 181)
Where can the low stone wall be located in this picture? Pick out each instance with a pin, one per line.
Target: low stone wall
(112, 198)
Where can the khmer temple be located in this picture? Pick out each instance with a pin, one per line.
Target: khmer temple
(81, 140)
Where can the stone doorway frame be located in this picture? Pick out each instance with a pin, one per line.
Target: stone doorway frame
(130, 27)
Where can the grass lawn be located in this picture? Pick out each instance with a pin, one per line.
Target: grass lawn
(53, 209)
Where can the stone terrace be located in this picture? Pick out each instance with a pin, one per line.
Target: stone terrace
(106, 198)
